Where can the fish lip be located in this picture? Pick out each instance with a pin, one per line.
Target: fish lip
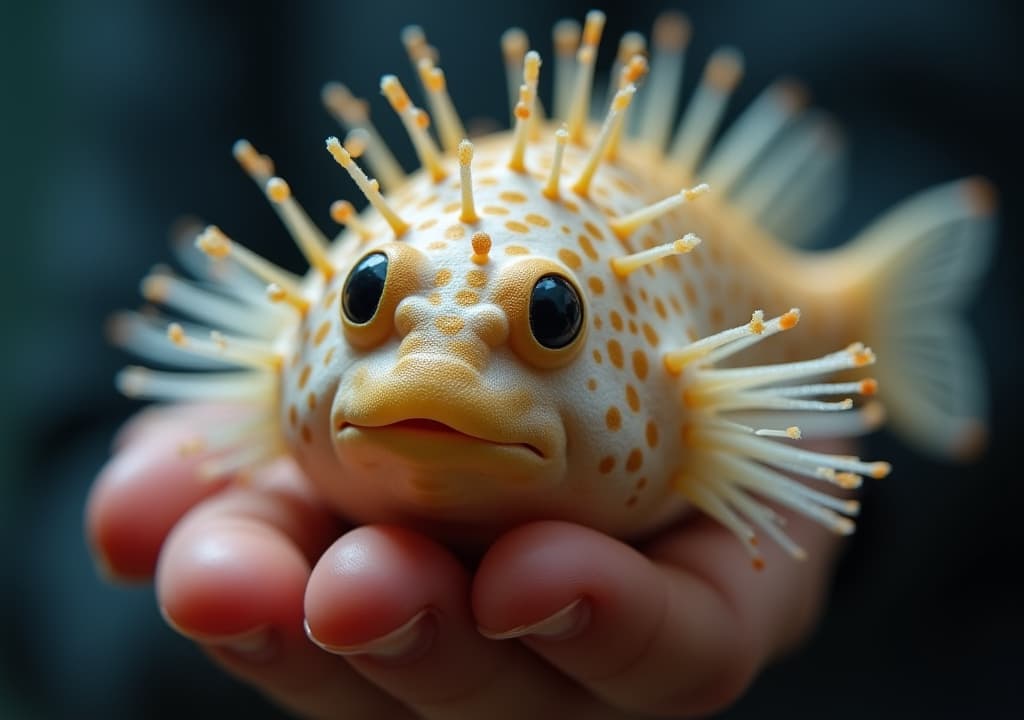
(438, 427)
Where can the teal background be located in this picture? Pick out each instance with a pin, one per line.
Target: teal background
(117, 117)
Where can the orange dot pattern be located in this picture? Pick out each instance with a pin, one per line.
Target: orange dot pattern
(632, 320)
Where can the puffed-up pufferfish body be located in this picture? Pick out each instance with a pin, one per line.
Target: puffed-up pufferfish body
(577, 319)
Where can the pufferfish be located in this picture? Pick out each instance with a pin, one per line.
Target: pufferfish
(577, 319)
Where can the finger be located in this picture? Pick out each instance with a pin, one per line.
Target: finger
(232, 577)
(649, 636)
(396, 605)
(146, 488)
(780, 604)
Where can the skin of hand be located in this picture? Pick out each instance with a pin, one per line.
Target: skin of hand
(555, 620)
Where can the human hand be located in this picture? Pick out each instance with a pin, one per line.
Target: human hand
(679, 626)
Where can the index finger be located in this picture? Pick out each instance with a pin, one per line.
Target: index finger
(146, 487)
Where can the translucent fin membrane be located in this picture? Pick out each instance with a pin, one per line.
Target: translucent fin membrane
(918, 264)
(353, 114)
(735, 464)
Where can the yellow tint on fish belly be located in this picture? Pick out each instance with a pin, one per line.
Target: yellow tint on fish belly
(594, 321)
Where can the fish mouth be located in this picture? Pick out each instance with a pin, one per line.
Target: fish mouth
(434, 431)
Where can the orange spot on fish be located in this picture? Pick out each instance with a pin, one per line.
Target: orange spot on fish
(587, 247)
(449, 324)
(651, 431)
(640, 367)
(321, 333)
(613, 418)
(632, 398)
(570, 258)
(635, 460)
(615, 353)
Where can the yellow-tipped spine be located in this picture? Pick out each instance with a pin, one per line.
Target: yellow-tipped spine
(449, 125)
(632, 73)
(306, 235)
(586, 57)
(415, 122)
(344, 213)
(616, 113)
(514, 45)
(352, 113)
(465, 154)
(524, 110)
(624, 226)
(623, 266)
(704, 113)
(217, 245)
(550, 189)
(566, 39)
(369, 187)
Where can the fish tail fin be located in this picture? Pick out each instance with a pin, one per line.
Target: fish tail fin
(921, 262)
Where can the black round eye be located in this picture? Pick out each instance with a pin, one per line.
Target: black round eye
(364, 288)
(556, 312)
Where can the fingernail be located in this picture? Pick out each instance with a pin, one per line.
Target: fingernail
(406, 642)
(256, 646)
(563, 624)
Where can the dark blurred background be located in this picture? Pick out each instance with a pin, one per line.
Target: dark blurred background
(117, 117)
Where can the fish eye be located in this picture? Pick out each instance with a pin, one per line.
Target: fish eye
(364, 288)
(556, 312)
